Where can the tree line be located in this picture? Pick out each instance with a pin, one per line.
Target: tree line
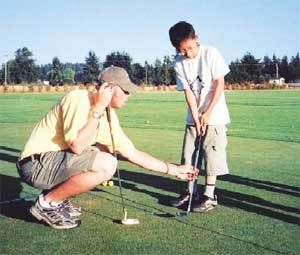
(23, 69)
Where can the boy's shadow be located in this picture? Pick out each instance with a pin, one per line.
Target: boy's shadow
(11, 205)
(227, 198)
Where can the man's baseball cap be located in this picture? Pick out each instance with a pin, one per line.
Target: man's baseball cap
(117, 76)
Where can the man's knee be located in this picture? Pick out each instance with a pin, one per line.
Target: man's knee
(105, 164)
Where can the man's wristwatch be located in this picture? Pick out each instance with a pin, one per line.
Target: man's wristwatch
(96, 115)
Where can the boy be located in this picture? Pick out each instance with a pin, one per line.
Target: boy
(200, 72)
(59, 159)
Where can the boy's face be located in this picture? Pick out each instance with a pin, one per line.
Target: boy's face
(189, 48)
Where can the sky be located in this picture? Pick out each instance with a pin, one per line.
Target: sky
(69, 29)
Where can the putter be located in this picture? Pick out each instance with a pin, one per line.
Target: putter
(191, 184)
(125, 220)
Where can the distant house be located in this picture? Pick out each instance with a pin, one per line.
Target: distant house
(279, 81)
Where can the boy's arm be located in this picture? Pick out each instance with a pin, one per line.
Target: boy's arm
(192, 104)
(218, 89)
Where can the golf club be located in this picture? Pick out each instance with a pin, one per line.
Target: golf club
(125, 220)
(191, 183)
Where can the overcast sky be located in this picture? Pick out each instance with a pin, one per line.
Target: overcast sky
(69, 29)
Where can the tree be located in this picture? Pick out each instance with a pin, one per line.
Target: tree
(294, 68)
(252, 67)
(284, 68)
(23, 68)
(267, 68)
(68, 75)
(91, 68)
(158, 76)
(121, 59)
(138, 73)
(55, 75)
(44, 71)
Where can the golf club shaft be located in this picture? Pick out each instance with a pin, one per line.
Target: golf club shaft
(115, 155)
(192, 183)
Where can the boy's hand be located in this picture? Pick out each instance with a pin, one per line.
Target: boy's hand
(203, 121)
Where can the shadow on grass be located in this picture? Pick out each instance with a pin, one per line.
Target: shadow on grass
(11, 205)
(260, 184)
(226, 198)
(8, 157)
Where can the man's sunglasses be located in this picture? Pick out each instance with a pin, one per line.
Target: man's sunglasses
(125, 91)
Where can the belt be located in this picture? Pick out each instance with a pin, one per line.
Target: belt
(30, 158)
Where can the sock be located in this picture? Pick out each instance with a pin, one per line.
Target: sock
(209, 190)
(46, 204)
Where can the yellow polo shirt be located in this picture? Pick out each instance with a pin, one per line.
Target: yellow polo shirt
(62, 123)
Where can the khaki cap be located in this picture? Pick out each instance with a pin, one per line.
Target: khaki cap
(117, 76)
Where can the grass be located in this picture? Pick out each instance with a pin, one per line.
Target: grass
(259, 200)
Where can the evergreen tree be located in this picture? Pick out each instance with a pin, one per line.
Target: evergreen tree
(68, 75)
(23, 68)
(121, 59)
(252, 67)
(55, 75)
(158, 76)
(91, 68)
(138, 73)
(284, 68)
(294, 68)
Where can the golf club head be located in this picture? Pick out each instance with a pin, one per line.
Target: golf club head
(182, 213)
(126, 221)
(130, 222)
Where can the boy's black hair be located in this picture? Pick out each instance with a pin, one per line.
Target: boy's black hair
(180, 32)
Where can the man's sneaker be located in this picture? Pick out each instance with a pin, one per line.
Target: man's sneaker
(206, 205)
(74, 210)
(183, 199)
(56, 217)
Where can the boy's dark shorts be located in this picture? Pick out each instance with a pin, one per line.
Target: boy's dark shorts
(46, 170)
(212, 152)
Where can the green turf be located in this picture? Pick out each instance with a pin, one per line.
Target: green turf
(259, 200)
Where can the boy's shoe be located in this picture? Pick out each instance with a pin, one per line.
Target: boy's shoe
(205, 205)
(56, 216)
(183, 199)
(73, 210)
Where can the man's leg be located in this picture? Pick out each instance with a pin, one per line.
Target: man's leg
(103, 169)
(54, 208)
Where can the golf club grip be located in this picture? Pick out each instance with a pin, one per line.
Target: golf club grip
(110, 129)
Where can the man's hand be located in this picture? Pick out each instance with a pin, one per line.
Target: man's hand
(103, 97)
(186, 172)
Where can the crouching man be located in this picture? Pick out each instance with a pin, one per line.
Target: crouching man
(59, 157)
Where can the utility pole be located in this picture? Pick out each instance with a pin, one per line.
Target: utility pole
(146, 73)
(276, 71)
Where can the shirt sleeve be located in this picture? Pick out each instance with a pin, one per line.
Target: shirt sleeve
(75, 112)
(181, 80)
(218, 66)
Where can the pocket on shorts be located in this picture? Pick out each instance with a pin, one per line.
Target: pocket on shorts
(214, 147)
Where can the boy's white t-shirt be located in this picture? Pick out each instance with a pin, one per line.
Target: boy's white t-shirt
(208, 65)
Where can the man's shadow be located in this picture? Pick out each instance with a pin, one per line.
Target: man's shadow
(227, 198)
(11, 205)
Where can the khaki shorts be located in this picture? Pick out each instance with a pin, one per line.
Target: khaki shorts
(49, 169)
(212, 151)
